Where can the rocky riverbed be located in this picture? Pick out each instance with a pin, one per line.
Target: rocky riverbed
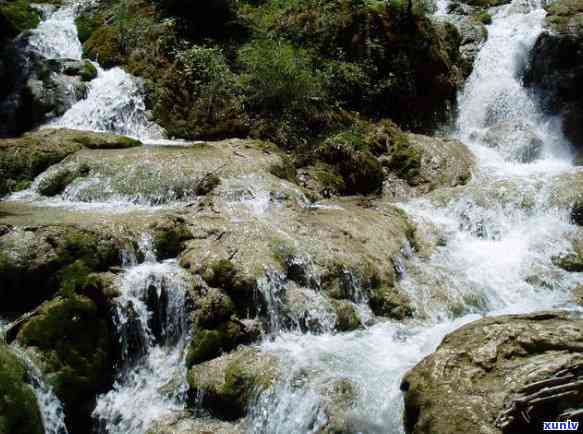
(378, 276)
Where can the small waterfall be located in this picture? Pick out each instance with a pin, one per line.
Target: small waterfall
(56, 36)
(114, 102)
(51, 409)
(498, 232)
(153, 328)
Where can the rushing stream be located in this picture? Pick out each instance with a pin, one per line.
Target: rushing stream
(499, 230)
(493, 246)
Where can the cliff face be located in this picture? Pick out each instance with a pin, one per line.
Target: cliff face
(556, 69)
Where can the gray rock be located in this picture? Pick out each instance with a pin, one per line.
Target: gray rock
(556, 67)
(470, 383)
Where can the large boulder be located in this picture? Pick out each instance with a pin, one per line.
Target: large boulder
(487, 375)
(36, 261)
(23, 158)
(227, 385)
(70, 340)
(19, 411)
(421, 164)
(556, 66)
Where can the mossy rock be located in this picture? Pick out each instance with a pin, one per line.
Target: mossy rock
(572, 262)
(34, 261)
(72, 341)
(215, 308)
(346, 316)
(169, 235)
(223, 273)
(229, 383)
(58, 182)
(206, 344)
(361, 171)
(16, 16)
(86, 26)
(104, 46)
(19, 411)
(388, 302)
(24, 158)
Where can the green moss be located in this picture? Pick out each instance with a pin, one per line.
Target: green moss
(215, 308)
(16, 16)
(285, 170)
(207, 344)
(386, 301)
(405, 161)
(348, 152)
(220, 273)
(346, 316)
(484, 17)
(104, 46)
(74, 344)
(86, 26)
(19, 412)
(168, 238)
(57, 182)
(89, 72)
(21, 185)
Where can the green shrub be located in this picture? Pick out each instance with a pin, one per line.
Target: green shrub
(199, 96)
(86, 25)
(15, 17)
(278, 76)
(348, 152)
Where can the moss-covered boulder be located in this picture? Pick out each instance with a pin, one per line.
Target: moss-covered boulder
(486, 375)
(70, 338)
(19, 411)
(216, 327)
(104, 45)
(36, 261)
(229, 383)
(168, 236)
(22, 159)
(419, 164)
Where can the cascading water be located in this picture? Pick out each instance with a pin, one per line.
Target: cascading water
(499, 231)
(114, 101)
(51, 409)
(152, 326)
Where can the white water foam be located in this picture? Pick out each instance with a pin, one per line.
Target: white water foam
(494, 245)
(152, 325)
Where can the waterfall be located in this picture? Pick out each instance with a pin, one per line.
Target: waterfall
(114, 102)
(500, 231)
(152, 327)
(51, 409)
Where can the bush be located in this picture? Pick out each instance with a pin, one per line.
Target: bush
(15, 17)
(199, 96)
(277, 77)
(348, 152)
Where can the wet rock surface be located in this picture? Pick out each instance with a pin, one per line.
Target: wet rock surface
(23, 158)
(481, 372)
(556, 68)
(70, 340)
(36, 90)
(18, 403)
(36, 261)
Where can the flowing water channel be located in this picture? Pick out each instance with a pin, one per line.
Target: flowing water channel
(499, 233)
